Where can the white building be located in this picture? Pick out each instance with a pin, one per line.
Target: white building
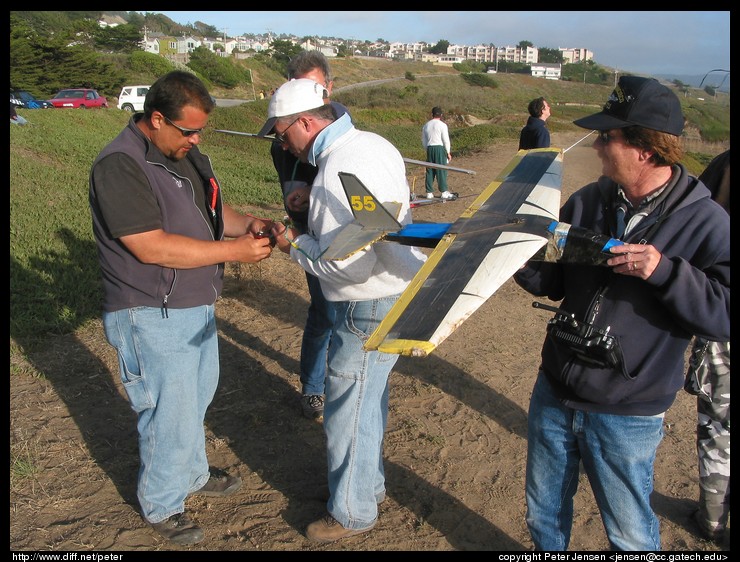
(550, 71)
(572, 56)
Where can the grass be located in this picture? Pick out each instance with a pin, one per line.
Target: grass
(54, 275)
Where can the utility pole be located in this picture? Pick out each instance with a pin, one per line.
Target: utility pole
(616, 73)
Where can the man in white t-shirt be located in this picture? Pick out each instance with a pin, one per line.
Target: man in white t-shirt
(435, 138)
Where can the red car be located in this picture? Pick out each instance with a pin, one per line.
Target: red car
(82, 98)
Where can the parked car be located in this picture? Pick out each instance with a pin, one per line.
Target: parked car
(82, 98)
(26, 100)
(131, 98)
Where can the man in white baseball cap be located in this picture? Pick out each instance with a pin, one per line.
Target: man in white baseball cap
(361, 290)
(295, 179)
(291, 98)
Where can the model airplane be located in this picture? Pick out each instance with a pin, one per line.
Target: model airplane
(512, 221)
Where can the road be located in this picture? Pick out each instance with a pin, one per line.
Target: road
(222, 102)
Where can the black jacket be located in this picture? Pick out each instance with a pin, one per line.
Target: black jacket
(653, 320)
(534, 134)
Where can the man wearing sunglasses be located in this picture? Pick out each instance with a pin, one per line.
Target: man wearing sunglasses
(361, 290)
(161, 230)
(295, 179)
(668, 281)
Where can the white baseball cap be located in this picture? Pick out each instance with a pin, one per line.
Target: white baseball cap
(293, 97)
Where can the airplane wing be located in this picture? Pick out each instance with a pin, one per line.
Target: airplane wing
(503, 228)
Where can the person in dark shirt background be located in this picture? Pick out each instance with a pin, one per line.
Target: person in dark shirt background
(535, 134)
(296, 178)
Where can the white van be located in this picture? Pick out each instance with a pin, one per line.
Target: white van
(131, 98)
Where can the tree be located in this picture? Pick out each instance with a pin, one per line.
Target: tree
(283, 51)
(46, 63)
(552, 56)
(469, 65)
(122, 38)
(440, 48)
(681, 87)
(524, 44)
(343, 51)
(218, 70)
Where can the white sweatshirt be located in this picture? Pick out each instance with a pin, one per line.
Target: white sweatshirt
(385, 268)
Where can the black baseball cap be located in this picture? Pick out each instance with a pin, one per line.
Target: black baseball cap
(644, 102)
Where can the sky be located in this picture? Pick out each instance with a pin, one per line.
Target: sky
(654, 43)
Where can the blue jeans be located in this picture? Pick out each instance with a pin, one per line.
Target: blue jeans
(169, 368)
(356, 412)
(316, 336)
(617, 453)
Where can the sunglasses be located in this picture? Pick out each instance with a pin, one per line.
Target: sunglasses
(185, 132)
(280, 138)
(605, 137)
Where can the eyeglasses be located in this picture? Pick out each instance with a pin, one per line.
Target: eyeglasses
(280, 138)
(185, 132)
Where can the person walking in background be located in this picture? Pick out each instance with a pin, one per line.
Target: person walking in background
(435, 138)
(295, 179)
(600, 401)
(708, 377)
(535, 134)
(361, 289)
(159, 224)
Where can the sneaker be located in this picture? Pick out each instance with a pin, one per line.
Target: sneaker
(220, 484)
(430, 196)
(313, 406)
(447, 195)
(179, 529)
(328, 529)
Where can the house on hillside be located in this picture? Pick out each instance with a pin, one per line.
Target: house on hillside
(328, 51)
(178, 49)
(150, 42)
(449, 60)
(550, 71)
(110, 21)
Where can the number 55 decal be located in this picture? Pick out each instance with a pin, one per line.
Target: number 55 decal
(365, 202)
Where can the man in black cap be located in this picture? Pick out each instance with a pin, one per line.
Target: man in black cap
(613, 360)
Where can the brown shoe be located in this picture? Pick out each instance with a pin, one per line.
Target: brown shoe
(179, 529)
(328, 529)
(219, 484)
